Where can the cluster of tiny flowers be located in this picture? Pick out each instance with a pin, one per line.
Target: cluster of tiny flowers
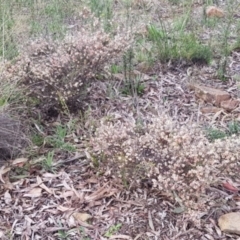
(62, 69)
(176, 158)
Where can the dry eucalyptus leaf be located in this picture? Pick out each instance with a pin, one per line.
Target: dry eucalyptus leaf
(7, 197)
(3, 170)
(43, 186)
(64, 209)
(81, 216)
(35, 192)
(19, 161)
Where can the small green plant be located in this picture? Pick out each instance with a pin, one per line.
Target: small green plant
(130, 88)
(233, 128)
(114, 68)
(58, 139)
(161, 42)
(37, 139)
(83, 234)
(112, 230)
(47, 163)
(193, 51)
(62, 234)
(132, 84)
(213, 134)
(222, 69)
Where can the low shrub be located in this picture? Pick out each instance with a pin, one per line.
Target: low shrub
(55, 73)
(175, 158)
(12, 137)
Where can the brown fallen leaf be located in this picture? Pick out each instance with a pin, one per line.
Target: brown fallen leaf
(210, 109)
(72, 221)
(3, 170)
(19, 162)
(230, 104)
(102, 192)
(210, 95)
(150, 221)
(81, 216)
(213, 11)
(7, 197)
(64, 209)
(35, 192)
(43, 186)
(229, 187)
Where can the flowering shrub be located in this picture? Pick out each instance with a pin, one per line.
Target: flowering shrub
(174, 157)
(57, 72)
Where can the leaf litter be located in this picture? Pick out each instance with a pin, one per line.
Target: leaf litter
(76, 198)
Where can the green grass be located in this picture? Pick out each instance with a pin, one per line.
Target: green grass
(48, 163)
(213, 134)
(233, 128)
(113, 229)
(132, 84)
(177, 46)
(103, 9)
(43, 18)
(37, 139)
(58, 139)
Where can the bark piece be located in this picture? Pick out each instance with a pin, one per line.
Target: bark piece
(230, 222)
(210, 95)
(230, 104)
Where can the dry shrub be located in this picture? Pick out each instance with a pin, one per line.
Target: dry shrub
(174, 157)
(12, 138)
(57, 72)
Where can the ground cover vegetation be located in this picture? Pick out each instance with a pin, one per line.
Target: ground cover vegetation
(103, 134)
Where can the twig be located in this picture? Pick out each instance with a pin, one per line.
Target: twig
(77, 157)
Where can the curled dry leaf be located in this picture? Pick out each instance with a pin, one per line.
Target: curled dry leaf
(3, 170)
(229, 187)
(19, 162)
